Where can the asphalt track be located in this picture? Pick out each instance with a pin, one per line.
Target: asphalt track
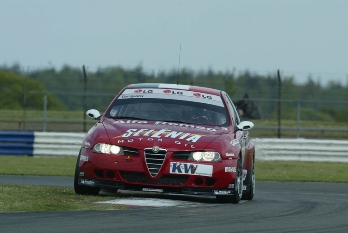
(277, 207)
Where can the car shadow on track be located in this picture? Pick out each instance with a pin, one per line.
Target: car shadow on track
(139, 194)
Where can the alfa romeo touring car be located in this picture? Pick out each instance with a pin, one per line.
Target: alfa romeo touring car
(168, 138)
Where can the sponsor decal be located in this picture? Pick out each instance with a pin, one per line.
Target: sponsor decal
(146, 91)
(230, 169)
(189, 126)
(131, 96)
(245, 173)
(222, 192)
(83, 158)
(203, 96)
(191, 169)
(173, 92)
(87, 144)
(160, 134)
(244, 187)
(234, 142)
(170, 93)
(230, 154)
(198, 95)
(87, 182)
(82, 174)
(129, 122)
(231, 186)
(152, 190)
(189, 145)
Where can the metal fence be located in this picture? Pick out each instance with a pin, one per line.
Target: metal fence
(284, 118)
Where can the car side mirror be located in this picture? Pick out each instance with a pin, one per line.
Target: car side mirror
(245, 125)
(94, 114)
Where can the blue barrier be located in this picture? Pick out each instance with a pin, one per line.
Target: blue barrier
(16, 143)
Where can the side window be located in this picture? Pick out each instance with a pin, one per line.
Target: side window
(233, 110)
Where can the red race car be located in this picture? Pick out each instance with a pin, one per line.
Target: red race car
(168, 138)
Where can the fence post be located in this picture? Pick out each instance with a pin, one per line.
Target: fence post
(24, 104)
(84, 97)
(279, 103)
(45, 112)
(298, 117)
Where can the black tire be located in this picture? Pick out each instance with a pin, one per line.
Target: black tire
(82, 189)
(238, 187)
(251, 183)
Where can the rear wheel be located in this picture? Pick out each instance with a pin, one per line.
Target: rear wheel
(82, 189)
(238, 187)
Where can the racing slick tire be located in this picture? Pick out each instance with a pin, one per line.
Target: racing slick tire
(251, 183)
(82, 189)
(238, 187)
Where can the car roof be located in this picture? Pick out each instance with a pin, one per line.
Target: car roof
(206, 90)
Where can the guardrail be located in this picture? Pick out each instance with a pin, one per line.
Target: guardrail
(302, 150)
(68, 144)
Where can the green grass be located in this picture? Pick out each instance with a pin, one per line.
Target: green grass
(286, 171)
(42, 198)
(265, 170)
(41, 166)
(37, 198)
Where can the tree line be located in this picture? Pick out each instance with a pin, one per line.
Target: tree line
(66, 88)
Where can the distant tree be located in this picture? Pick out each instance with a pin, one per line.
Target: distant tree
(17, 92)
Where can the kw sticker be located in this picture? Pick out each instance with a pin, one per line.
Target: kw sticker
(191, 169)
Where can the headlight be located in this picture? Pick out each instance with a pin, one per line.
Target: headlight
(208, 156)
(107, 149)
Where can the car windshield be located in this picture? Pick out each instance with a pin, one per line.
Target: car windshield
(169, 110)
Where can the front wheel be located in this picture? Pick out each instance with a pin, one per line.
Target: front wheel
(238, 187)
(82, 189)
(250, 194)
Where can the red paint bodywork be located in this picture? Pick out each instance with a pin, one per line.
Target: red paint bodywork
(217, 139)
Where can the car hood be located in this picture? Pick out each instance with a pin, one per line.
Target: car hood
(172, 136)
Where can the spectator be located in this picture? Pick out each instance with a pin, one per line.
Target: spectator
(247, 108)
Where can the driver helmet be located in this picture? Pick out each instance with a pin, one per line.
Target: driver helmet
(114, 111)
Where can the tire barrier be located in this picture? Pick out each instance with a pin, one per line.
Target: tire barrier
(40, 143)
(16, 143)
(268, 149)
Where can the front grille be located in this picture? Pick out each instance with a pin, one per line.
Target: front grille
(154, 161)
(183, 155)
(130, 151)
(138, 177)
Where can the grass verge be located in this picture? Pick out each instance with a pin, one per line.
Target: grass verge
(38, 198)
(42, 198)
(291, 171)
(286, 171)
(40, 166)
